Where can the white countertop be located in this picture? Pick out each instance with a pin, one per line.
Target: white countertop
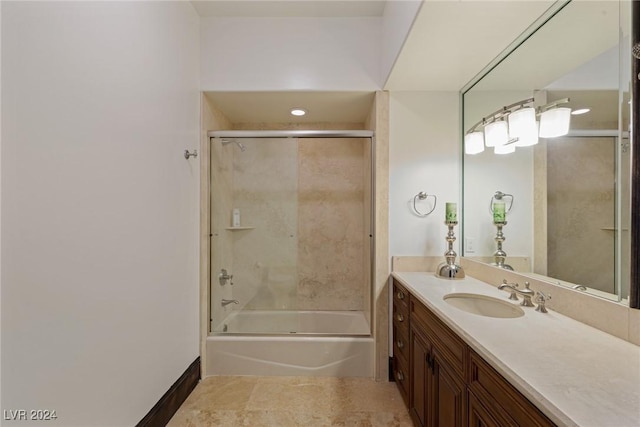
(577, 375)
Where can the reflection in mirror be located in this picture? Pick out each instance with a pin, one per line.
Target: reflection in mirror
(569, 211)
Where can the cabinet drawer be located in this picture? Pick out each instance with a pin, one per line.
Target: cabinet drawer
(502, 397)
(452, 349)
(401, 375)
(400, 343)
(401, 317)
(400, 294)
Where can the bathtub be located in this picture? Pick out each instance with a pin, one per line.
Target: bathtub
(297, 343)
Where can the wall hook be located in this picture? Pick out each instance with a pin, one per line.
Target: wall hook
(187, 154)
(423, 196)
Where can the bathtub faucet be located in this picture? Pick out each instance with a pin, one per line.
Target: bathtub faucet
(226, 302)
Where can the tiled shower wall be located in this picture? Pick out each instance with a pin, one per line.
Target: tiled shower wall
(330, 224)
(307, 204)
(581, 196)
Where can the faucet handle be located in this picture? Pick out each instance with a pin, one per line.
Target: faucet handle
(541, 299)
(512, 295)
(224, 276)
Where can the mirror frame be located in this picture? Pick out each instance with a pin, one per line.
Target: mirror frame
(634, 283)
(634, 291)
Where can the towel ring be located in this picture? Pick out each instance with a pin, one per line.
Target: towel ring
(423, 196)
(499, 195)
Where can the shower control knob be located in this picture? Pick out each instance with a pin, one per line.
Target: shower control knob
(224, 276)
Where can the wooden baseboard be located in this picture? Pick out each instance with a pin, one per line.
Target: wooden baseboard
(169, 403)
(392, 377)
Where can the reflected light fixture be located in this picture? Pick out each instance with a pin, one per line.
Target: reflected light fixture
(496, 133)
(555, 122)
(474, 143)
(298, 112)
(580, 111)
(523, 127)
(505, 149)
(517, 125)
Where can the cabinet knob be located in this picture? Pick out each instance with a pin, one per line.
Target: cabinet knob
(400, 295)
(400, 375)
(400, 344)
(400, 317)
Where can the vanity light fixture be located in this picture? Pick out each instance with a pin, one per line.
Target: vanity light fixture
(298, 112)
(505, 149)
(555, 122)
(474, 143)
(496, 133)
(523, 127)
(580, 111)
(516, 125)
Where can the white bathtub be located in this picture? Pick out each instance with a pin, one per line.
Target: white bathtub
(298, 322)
(315, 345)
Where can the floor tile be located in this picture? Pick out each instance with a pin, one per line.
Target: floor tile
(292, 402)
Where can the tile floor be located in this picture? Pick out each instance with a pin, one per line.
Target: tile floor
(292, 401)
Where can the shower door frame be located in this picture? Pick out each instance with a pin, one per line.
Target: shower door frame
(618, 138)
(300, 134)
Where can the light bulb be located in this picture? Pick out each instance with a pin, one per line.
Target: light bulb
(496, 133)
(473, 143)
(504, 149)
(522, 125)
(555, 122)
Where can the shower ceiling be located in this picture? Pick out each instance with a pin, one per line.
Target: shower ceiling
(274, 107)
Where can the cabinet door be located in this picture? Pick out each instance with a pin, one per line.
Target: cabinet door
(478, 415)
(418, 372)
(449, 396)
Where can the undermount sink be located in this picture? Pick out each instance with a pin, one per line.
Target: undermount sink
(483, 305)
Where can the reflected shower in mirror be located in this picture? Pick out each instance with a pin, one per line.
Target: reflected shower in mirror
(571, 179)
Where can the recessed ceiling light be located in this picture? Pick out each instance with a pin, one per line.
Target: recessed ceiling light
(580, 111)
(298, 112)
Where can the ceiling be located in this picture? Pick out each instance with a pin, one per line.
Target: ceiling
(289, 8)
(449, 43)
(274, 107)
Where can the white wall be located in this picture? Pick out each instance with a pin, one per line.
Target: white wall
(257, 54)
(424, 155)
(486, 173)
(397, 19)
(99, 207)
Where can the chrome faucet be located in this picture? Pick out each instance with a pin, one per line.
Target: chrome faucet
(526, 293)
(226, 302)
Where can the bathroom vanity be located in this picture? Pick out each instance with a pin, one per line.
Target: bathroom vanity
(456, 368)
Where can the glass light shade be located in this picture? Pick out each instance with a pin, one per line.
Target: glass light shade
(504, 149)
(496, 133)
(555, 122)
(473, 143)
(522, 125)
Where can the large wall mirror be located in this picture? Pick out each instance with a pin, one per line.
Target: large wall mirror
(567, 195)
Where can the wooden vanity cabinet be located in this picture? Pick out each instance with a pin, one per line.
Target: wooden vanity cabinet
(436, 367)
(401, 340)
(501, 401)
(445, 383)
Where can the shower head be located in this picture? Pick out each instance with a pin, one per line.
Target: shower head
(234, 141)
